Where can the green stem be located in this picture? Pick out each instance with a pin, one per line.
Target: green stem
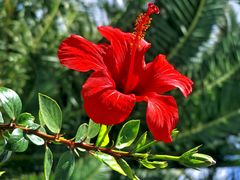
(146, 146)
(164, 157)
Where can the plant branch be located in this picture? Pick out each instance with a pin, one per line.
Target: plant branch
(88, 147)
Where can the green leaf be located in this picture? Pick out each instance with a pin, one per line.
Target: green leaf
(11, 102)
(81, 132)
(126, 168)
(51, 113)
(1, 118)
(127, 134)
(153, 164)
(93, 129)
(141, 141)
(5, 156)
(2, 172)
(110, 161)
(27, 120)
(3, 143)
(41, 121)
(48, 161)
(103, 138)
(65, 166)
(90, 168)
(16, 142)
(35, 139)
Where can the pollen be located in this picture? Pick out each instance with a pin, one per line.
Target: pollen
(143, 21)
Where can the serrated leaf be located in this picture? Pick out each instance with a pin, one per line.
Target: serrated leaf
(10, 102)
(81, 132)
(93, 129)
(110, 161)
(103, 138)
(141, 141)
(48, 161)
(65, 166)
(126, 168)
(1, 118)
(51, 113)
(127, 134)
(16, 142)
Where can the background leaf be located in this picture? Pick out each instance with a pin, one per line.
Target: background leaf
(65, 166)
(126, 168)
(1, 118)
(89, 168)
(48, 161)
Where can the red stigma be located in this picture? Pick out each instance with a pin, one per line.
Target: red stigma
(143, 21)
(152, 8)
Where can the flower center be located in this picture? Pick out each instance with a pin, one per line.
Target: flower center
(142, 24)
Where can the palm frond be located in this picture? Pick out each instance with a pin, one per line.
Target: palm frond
(183, 27)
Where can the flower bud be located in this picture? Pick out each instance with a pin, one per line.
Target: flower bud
(196, 160)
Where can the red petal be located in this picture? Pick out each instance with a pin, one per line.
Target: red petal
(162, 116)
(77, 53)
(160, 76)
(103, 103)
(121, 45)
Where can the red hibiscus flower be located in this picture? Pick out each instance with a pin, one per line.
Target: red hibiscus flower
(121, 77)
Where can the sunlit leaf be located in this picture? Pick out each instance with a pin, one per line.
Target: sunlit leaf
(93, 129)
(109, 161)
(127, 134)
(50, 113)
(103, 138)
(141, 141)
(81, 132)
(11, 102)
(35, 139)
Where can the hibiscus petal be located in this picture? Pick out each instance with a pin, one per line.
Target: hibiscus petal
(121, 50)
(162, 116)
(160, 76)
(103, 103)
(79, 54)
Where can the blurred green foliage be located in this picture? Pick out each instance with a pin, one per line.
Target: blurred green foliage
(200, 37)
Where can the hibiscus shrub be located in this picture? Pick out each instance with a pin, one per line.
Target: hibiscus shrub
(120, 78)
